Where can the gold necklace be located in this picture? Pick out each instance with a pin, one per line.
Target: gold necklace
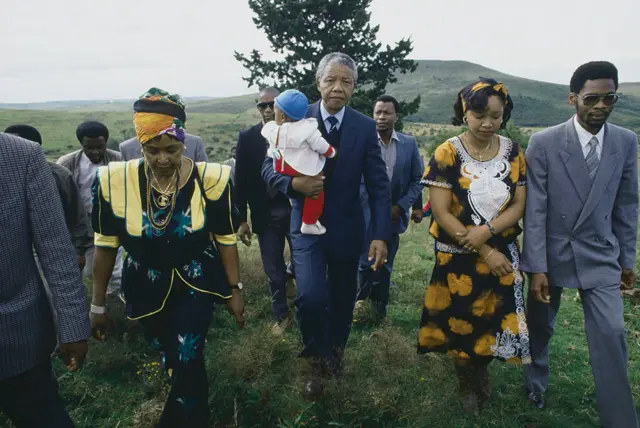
(160, 226)
(479, 154)
(165, 194)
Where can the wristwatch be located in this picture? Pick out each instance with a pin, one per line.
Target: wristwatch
(238, 286)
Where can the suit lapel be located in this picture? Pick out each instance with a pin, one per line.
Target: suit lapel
(608, 163)
(575, 164)
(400, 158)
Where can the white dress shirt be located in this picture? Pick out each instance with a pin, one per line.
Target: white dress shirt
(585, 136)
(87, 173)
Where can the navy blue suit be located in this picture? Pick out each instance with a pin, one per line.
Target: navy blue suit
(327, 265)
(405, 190)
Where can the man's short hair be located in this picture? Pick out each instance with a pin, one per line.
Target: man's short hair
(388, 99)
(92, 129)
(594, 70)
(27, 132)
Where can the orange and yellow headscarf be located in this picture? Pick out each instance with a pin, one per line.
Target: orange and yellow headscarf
(496, 87)
(158, 112)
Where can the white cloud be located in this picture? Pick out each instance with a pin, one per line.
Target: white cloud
(77, 49)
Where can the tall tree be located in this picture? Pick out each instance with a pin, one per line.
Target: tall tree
(303, 31)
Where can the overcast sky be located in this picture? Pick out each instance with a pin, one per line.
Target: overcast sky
(83, 49)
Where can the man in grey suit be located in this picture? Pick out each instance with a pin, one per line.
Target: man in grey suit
(194, 149)
(580, 232)
(32, 217)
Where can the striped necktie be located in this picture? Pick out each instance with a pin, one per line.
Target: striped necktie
(592, 158)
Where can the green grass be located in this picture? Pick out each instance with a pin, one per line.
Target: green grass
(255, 379)
(219, 131)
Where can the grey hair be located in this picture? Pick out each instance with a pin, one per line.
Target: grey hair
(337, 58)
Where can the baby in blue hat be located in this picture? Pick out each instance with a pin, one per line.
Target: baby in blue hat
(298, 149)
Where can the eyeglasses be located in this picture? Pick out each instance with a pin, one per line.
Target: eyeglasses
(593, 99)
(263, 106)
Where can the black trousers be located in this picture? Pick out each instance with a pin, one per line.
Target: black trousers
(31, 399)
(272, 242)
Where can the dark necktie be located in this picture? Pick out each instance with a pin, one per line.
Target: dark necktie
(334, 123)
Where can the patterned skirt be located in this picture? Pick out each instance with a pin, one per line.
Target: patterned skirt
(470, 313)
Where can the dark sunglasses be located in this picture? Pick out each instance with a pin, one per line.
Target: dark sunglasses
(263, 106)
(593, 99)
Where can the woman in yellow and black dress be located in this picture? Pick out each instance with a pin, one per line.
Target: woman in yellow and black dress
(173, 217)
(474, 308)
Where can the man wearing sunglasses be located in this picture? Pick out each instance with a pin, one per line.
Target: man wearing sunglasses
(580, 232)
(270, 209)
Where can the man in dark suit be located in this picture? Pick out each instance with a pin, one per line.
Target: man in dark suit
(32, 217)
(327, 265)
(193, 149)
(404, 168)
(270, 209)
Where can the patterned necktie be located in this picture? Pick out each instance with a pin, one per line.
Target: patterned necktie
(334, 123)
(592, 158)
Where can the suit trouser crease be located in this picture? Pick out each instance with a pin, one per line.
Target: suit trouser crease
(326, 297)
(604, 326)
(272, 243)
(375, 285)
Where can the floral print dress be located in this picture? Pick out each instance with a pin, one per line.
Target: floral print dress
(468, 312)
(172, 275)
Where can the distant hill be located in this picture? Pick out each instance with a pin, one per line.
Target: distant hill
(630, 89)
(537, 103)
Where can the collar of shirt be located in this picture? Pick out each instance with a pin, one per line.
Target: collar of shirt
(325, 114)
(585, 136)
(394, 137)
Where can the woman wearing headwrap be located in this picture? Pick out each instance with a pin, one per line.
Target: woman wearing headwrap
(173, 217)
(474, 309)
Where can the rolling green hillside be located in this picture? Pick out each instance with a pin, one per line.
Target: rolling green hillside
(536, 103)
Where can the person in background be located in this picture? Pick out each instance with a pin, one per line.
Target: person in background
(83, 165)
(173, 217)
(32, 217)
(580, 232)
(404, 168)
(473, 308)
(270, 209)
(231, 163)
(326, 265)
(74, 212)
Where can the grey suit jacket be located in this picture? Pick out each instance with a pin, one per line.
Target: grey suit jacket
(578, 232)
(31, 216)
(131, 149)
(405, 183)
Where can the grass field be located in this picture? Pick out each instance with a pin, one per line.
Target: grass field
(255, 379)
